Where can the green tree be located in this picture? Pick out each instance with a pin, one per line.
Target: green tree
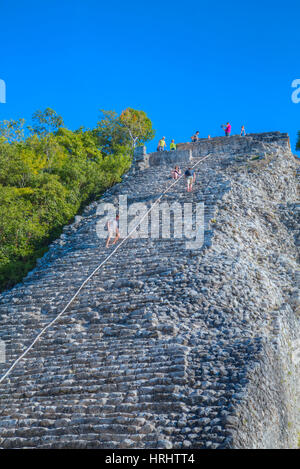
(15, 169)
(110, 134)
(124, 132)
(137, 125)
(12, 130)
(48, 175)
(46, 122)
(298, 141)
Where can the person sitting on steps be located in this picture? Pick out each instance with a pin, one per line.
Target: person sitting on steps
(176, 172)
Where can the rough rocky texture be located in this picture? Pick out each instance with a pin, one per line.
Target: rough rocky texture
(253, 143)
(142, 160)
(167, 347)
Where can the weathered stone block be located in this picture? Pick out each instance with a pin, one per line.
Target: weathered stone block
(170, 158)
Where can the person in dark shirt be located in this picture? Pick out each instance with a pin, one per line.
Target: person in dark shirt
(195, 137)
(190, 178)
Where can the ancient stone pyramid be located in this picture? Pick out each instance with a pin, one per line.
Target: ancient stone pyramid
(165, 346)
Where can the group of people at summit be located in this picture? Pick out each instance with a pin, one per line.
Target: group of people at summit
(162, 145)
(189, 175)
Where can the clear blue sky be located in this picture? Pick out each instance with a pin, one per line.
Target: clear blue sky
(191, 65)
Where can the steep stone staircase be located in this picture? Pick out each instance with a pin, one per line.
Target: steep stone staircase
(144, 357)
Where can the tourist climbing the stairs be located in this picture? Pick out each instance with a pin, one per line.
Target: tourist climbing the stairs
(190, 178)
(113, 230)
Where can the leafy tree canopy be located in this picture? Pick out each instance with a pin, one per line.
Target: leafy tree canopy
(48, 173)
(46, 122)
(298, 141)
(12, 130)
(138, 126)
(127, 130)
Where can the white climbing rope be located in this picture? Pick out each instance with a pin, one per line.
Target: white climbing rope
(91, 275)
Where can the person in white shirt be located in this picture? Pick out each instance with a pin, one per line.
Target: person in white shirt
(113, 230)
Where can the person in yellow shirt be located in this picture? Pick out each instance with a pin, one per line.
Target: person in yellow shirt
(162, 144)
(173, 145)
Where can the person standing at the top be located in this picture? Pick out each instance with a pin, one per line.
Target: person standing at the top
(227, 129)
(243, 131)
(162, 144)
(195, 137)
(173, 145)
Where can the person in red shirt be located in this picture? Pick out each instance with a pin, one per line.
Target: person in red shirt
(227, 129)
